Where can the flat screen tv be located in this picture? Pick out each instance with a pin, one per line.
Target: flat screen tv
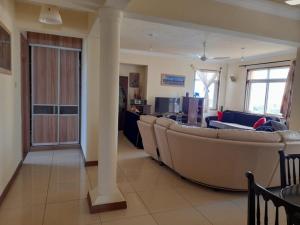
(167, 105)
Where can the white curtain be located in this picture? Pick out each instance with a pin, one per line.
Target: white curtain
(207, 81)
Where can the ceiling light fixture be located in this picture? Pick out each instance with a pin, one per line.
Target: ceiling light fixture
(243, 54)
(293, 2)
(50, 15)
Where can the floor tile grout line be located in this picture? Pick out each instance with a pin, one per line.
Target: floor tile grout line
(194, 207)
(49, 180)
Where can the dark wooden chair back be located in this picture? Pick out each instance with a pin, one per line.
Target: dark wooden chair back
(289, 169)
(255, 191)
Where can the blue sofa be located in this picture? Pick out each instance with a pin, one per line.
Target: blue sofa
(242, 118)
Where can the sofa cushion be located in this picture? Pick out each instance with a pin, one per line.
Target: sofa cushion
(289, 135)
(197, 131)
(249, 136)
(148, 119)
(165, 122)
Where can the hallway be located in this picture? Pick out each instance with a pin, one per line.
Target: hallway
(51, 189)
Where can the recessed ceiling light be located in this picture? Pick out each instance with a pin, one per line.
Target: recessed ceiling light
(293, 2)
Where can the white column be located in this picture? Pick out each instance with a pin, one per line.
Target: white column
(106, 196)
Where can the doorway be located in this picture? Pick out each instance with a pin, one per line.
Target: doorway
(123, 100)
(55, 64)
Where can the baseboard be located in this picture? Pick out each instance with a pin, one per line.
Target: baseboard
(88, 163)
(105, 207)
(54, 147)
(10, 183)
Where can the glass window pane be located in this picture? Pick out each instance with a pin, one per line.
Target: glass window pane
(276, 91)
(258, 74)
(211, 95)
(257, 97)
(279, 73)
(199, 88)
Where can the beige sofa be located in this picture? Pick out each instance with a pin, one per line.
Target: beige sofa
(146, 127)
(220, 158)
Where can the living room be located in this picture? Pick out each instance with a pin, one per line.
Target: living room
(155, 111)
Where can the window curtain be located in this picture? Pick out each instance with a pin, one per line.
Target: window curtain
(288, 91)
(207, 81)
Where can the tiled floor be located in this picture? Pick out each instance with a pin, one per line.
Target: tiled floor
(52, 186)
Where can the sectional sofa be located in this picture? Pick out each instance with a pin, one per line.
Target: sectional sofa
(217, 158)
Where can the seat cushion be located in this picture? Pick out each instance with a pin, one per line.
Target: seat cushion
(249, 136)
(148, 119)
(165, 122)
(197, 131)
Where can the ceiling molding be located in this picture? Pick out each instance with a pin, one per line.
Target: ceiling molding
(266, 6)
(289, 55)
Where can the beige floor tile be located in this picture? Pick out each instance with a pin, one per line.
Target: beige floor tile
(158, 200)
(70, 213)
(196, 194)
(23, 196)
(61, 192)
(181, 217)
(223, 213)
(141, 220)
(68, 173)
(22, 216)
(135, 207)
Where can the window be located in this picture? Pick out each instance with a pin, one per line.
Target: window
(203, 77)
(265, 89)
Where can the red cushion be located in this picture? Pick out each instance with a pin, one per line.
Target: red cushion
(259, 122)
(220, 116)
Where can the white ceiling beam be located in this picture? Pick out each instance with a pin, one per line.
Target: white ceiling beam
(119, 4)
(265, 6)
(87, 5)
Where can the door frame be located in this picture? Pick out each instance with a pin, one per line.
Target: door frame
(51, 41)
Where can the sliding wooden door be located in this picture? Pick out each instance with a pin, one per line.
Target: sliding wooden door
(55, 95)
(69, 97)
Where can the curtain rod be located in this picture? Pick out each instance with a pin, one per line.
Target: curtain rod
(257, 64)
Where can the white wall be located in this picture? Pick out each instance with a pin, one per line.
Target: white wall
(172, 65)
(10, 116)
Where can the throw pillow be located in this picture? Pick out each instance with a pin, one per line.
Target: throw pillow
(260, 122)
(220, 116)
(265, 128)
(278, 126)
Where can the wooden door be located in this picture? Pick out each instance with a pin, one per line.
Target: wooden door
(69, 97)
(123, 100)
(25, 96)
(44, 84)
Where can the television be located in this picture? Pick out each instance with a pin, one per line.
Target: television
(167, 105)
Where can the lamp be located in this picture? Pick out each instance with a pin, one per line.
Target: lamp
(50, 15)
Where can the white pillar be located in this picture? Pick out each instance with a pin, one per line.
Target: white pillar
(106, 196)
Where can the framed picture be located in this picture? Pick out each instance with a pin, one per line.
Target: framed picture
(5, 50)
(134, 80)
(172, 80)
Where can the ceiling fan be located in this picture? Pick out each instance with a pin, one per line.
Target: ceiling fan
(205, 58)
(293, 2)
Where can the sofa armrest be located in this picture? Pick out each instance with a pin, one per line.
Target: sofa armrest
(209, 118)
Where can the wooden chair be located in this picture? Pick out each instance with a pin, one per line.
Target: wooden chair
(255, 191)
(289, 171)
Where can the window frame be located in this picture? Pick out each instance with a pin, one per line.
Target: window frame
(267, 81)
(217, 82)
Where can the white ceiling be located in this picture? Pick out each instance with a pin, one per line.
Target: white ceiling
(181, 41)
